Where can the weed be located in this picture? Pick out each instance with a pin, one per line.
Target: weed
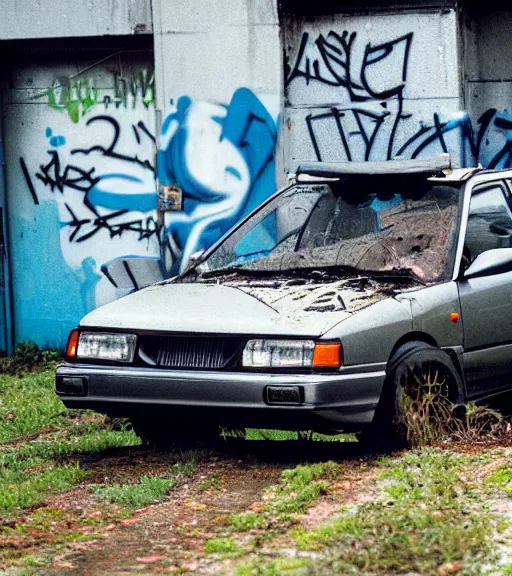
(209, 483)
(503, 477)
(427, 415)
(22, 490)
(148, 490)
(301, 485)
(422, 521)
(287, 566)
(244, 521)
(28, 357)
(221, 546)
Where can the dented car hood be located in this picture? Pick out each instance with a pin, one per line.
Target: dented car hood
(280, 306)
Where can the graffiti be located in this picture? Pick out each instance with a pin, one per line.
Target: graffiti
(79, 95)
(331, 63)
(370, 120)
(222, 158)
(111, 150)
(103, 179)
(105, 191)
(378, 130)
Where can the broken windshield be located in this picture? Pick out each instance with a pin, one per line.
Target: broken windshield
(370, 225)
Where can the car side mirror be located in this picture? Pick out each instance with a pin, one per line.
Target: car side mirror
(194, 259)
(490, 262)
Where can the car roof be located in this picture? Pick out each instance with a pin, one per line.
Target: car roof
(435, 168)
(427, 166)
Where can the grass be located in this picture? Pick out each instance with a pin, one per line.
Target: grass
(28, 405)
(424, 518)
(148, 490)
(424, 515)
(301, 485)
(257, 434)
(19, 489)
(502, 478)
(282, 566)
(221, 546)
(47, 464)
(297, 489)
(210, 483)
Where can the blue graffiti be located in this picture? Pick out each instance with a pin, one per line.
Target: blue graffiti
(55, 141)
(101, 195)
(222, 158)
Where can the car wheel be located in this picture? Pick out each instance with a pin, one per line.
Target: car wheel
(421, 385)
(158, 432)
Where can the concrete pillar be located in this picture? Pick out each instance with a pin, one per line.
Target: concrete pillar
(218, 64)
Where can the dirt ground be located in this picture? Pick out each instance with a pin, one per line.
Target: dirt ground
(169, 536)
(89, 537)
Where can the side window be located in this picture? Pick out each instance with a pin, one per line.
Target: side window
(489, 223)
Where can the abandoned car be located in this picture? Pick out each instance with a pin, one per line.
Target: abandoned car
(337, 293)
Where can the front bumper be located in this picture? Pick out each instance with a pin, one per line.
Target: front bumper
(346, 399)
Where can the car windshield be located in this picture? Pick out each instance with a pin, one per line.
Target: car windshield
(380, 225)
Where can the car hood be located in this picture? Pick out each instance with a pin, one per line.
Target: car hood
(240, 306)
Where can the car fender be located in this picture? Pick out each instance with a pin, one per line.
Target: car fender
(368, 336)
(436, 312)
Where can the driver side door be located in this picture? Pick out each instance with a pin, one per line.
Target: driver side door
(486, 301)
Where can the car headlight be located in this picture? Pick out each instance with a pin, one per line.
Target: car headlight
(101, 346)
(291, 354)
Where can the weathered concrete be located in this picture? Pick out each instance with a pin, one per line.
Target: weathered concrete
(23, 19)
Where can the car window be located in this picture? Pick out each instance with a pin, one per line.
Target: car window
(274, 230)
(378, 225)
(489, 223)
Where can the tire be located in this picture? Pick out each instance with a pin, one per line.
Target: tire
(157, 431)
(422, 382)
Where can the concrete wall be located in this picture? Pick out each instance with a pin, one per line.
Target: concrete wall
(219, 70)
(89, 136)
(488, 84)
(80, 165)
(371, 87)
(65, 18)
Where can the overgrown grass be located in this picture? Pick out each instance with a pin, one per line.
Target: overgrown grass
(34, 470)
(257, 434)
(46, 464)
(425, 517)
(301, 485)
(224, 546)
(22, 489)
(428, 415)
(148, 490)
(297, 489)
(503, 478)
(28, 405)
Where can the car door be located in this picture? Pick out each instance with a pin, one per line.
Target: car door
(486, 301)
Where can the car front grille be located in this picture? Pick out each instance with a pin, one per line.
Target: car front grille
(188, 352)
